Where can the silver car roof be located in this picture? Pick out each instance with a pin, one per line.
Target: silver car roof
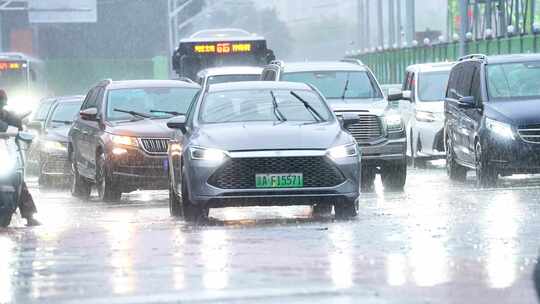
(314, 66)
(133, 84)
(431, 67)
(258, 85)
(231, 70)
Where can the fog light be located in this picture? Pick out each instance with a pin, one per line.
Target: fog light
(119, 151)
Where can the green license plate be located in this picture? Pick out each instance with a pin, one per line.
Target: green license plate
(285, 180)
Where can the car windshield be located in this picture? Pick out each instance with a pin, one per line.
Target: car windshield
(514, 80)
(431, 85)
(338, 84)
(157, 102)
(64, 114)
(232, 78)
(263, 105)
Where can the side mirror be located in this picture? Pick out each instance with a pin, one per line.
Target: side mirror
(348, 119)
(466, 102)
(89, 114)
(178, 123)
(395, 96)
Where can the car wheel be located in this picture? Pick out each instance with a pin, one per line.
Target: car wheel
(191, 212)
(367, 179)
(106, 189)
(485, 175)
(345, 209)
(455, 171)
(416, 161)
(394, 176)
(322, 209)
(175, 207)
(80, 187)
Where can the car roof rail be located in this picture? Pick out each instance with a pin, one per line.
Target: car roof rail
(352, 60)
(473, 56)
(277, 62)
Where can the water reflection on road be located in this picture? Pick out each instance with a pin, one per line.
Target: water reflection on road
(436, 242)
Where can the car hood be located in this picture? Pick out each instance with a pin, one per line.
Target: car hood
(374, 106)
(431, 106)
(56, 134)
(270, 136)
(152, 128)
(516, 112)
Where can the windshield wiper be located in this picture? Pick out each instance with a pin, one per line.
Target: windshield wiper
(346, 88)
(311, 110)
(173, 113)
(277, 112)
(133, 113)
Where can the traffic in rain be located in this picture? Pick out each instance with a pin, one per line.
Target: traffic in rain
(269, 151)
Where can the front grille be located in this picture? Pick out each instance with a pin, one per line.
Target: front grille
(155, 145)
(55, 165)
(367, 129)
(530, 134)
(239, 173)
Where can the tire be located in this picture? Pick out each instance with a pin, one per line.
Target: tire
(486, 176)
(394, 175)
(322, 209)
(191, 212)
(175, 204)
(455, 171)
(346, 209)
(416, 162)
(5, 220)
(80, 187)
(107, 191)
(367, 179)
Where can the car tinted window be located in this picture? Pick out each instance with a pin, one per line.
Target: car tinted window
(465, 80)
(336, 84)
(231, 78)
(90, 100)
(257, 105)
(269, 75)
(513, 80)
(149, 101)
(431, 85)
(453, 82)
(475, 84)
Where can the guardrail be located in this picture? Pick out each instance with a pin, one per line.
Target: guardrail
(389, 65)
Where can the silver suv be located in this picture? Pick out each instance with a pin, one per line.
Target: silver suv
(351, 87)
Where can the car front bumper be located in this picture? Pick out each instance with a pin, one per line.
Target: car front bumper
(384, 150)
(428, 139)
(513, 156)
(198, 174)
(138, 170)
(55, 164)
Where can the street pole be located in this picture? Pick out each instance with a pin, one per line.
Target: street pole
(368, 24)
(411, 26)
(399, 27)
(464, 26)
(392, 23)
(360, 25)
(380, 30)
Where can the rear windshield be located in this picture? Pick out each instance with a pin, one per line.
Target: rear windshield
(339, 84)
(232, 78)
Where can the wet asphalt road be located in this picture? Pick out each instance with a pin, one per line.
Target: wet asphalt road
(435, 243)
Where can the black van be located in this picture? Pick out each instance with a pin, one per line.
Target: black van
(492, 117)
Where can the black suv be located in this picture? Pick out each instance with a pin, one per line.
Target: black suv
(492, 117)
(119, 140)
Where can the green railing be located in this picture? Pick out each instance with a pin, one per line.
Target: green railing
(66, 77)
(389, 65)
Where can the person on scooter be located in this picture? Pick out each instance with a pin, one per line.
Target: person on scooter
(27, 207)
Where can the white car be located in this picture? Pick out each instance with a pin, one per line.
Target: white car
(424, 89)
(210, 76)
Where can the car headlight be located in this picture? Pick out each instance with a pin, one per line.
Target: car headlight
(6, 162)
(51, 145)
(394, 123)
(425, 116)
(124, 140)
(500, 128)
(344, 151)
(199, 153)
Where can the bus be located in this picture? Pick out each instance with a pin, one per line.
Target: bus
(217, 48)
(22, 77)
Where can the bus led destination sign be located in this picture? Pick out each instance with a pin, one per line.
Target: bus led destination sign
(223, 48)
